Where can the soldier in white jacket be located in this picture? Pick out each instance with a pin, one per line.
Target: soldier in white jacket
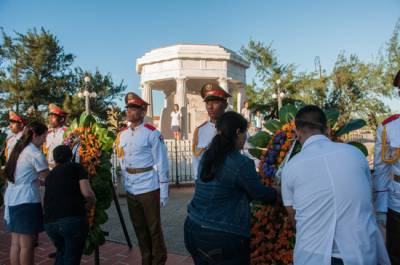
(144, 165)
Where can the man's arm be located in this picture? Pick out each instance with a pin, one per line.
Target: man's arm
(160, 158)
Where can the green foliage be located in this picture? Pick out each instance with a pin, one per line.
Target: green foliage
(260, 139)
(287, 113)
(360, 146)
(3, 138)
(351, 125)
(332, 116)
(36, 70)
(273, 125)
(107, 93)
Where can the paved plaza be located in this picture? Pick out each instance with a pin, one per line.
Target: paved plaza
(115, 251)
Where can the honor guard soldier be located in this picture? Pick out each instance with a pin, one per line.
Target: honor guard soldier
(216, 101)
(387, 180)
(144, 165)
(17, 124)
(55, 135)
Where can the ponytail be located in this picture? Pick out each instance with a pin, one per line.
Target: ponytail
(32, 128)
(222, 144)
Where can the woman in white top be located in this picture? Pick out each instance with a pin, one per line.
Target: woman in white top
(24, 170)
(176, 122)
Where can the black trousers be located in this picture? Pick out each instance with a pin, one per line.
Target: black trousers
(393, 236)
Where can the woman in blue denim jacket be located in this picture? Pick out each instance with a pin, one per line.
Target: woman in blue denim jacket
(217, 229)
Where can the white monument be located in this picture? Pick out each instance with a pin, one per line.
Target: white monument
(180, 71)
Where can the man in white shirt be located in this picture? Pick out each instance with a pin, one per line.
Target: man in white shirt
(144, 165)
(17, 124)
(55, 137)
(387, 179)
(327, 189)
(216, 100)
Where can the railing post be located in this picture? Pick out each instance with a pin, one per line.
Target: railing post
(176, 163)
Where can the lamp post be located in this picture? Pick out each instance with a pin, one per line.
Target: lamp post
(87, 94)
(279, 95)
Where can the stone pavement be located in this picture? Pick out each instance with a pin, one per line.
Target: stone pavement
(115, 251)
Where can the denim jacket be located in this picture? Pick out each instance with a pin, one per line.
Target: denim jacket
(223, 203)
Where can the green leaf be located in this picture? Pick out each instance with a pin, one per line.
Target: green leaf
(352, 125)
(260, 139)
(332, 115)
(287, 113)
(273, 125)
(101, 217)
(360, 146)
(86, 120)
(255, 152)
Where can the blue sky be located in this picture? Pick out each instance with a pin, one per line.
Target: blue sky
(111, 35)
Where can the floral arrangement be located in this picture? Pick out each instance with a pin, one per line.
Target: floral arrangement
(92, 144)
(272, 234)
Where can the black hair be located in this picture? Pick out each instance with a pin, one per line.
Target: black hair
(311, 117)
(222, 144)
(62, 154)
(35, 127)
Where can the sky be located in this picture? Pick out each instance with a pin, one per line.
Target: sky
(111, 35)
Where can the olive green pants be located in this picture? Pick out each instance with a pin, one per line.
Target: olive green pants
(144, 211)
(393, 236)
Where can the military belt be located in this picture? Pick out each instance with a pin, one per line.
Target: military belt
(138, 170)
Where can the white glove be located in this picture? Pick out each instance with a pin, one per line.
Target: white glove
(163, 201)
(381, 219)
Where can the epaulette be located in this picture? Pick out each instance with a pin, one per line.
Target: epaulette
(65, 129)
(390, 119)
(150, 127)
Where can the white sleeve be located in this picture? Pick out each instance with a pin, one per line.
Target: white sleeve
(287, 187)
(381, 177)
(160, 157)
(39, 162)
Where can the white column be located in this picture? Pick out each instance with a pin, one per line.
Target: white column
(182, 102)
(223, 82)
(241, 97)
(147, 96)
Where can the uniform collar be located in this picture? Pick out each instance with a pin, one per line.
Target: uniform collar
(314, 139)
(211, 124)
(137, 127)
(55, 129)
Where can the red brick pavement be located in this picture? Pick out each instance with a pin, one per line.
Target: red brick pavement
(110, 253)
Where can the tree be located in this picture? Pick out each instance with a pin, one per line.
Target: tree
(107, 93)
(36, 70)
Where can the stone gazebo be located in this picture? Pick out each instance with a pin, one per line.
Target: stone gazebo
(180, 71)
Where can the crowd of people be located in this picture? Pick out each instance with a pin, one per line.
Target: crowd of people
(337, 206)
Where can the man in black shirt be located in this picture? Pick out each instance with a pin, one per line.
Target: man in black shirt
(67, 196)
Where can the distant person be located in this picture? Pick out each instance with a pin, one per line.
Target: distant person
(16, 127)
(56, 117)
(246, 112)
(217, 228)
(24, 170)
(387, 179)
(68, 196)
(258, 121)
(326, 189)
(176, 117)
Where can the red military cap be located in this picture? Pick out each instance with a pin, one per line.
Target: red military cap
(211, 91)
(55, 110)
(14, 117)
(131, 99)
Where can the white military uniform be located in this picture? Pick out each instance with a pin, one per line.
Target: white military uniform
(12, 139)
(139, 148)
(387, 190)
(202, 138)
(55, 137)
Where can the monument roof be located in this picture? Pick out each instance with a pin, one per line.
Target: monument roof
(190, 51)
